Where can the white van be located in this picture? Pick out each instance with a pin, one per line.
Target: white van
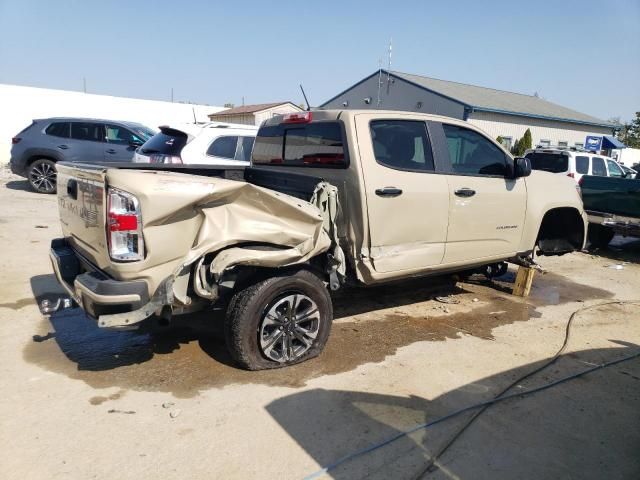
(213, 143)
(573, 163)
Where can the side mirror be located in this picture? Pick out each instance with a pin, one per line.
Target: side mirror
(521, 167)
(135, 143)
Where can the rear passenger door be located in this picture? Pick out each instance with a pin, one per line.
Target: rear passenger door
(87, 142)
(407, 201)
(486, 206)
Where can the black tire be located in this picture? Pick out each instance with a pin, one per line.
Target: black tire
(42, 175)
(247, 319)
(599, 235)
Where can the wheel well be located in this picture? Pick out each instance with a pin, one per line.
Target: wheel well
(561, 231)
(33, 158)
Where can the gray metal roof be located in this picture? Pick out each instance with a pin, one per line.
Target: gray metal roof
(492, 100)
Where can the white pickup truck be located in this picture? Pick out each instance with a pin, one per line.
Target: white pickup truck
(331, 197)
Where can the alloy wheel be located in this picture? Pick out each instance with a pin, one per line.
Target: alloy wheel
(43, 177)
(289, 327)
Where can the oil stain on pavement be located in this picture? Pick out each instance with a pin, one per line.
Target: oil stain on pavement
(370, 325)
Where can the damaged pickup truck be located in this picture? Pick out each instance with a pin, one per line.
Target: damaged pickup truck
(331, 198)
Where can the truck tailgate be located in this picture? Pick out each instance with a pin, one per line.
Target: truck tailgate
(81, 204)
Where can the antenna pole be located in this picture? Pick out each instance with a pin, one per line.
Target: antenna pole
(389, 67)
(379, 79)
(305, 98)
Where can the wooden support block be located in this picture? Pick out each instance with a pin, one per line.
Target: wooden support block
(524, 279)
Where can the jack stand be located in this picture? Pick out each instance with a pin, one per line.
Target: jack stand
(524, 279)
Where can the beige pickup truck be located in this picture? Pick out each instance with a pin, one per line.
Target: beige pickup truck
(331, 198)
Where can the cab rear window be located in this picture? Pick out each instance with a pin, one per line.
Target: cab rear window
(549, 162)
(319, 145)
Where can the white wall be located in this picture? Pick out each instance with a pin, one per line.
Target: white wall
(19, 105)
(497, 124)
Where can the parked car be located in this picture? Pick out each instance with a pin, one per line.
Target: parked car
(331, 197)
(573, 163)
(212, 143)
(36, 149)
(612, 206)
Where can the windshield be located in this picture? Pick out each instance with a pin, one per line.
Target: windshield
(549, 162)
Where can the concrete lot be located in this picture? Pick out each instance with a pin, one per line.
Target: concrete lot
(79, 402)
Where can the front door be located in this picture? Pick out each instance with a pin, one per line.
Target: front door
(486, 206)
(407, 202)
(121, 144)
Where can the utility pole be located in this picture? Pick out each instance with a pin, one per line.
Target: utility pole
(171, 94)
(84, 84)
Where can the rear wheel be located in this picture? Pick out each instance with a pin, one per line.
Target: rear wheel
(599, 235)
(279, 321)
(42, 176)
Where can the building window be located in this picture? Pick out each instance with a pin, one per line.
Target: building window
(563, 143)
(544, 143)
(506, 142)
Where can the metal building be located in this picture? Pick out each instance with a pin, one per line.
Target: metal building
(499, 113)
(254, 114)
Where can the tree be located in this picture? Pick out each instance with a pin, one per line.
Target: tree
(229, 105)
(515, 150)
(631, 133)
(500, 140)
(527, 141)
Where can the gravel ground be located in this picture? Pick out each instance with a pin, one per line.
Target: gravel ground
(80, 402)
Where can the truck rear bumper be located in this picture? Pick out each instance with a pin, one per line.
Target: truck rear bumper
(99, 295)
(621, 225)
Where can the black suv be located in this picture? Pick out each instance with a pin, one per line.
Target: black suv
(37, 148)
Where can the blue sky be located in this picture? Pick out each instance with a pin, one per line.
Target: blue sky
(581, 54)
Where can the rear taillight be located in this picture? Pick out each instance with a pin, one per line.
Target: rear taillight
(15, 140)
(124, 227)
(572, 175)
(302, 117)
(160, 158)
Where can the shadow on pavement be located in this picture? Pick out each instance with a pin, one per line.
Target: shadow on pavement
(19, 185)
(621, 249)
(587, 428)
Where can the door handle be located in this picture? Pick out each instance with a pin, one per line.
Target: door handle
(111, 150)
(465, 192)
(63, 147)
(72, 189)
(388, 192)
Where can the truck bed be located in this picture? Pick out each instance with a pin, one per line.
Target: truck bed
(615, 196)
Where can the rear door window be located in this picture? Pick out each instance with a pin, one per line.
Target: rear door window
(59, 129)
(597, 167)
(300, 145)
(402, 144)
(582, 164)
(549, 162)
(472, 154)
(93, 132)
(168, 142)
(223, 147)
